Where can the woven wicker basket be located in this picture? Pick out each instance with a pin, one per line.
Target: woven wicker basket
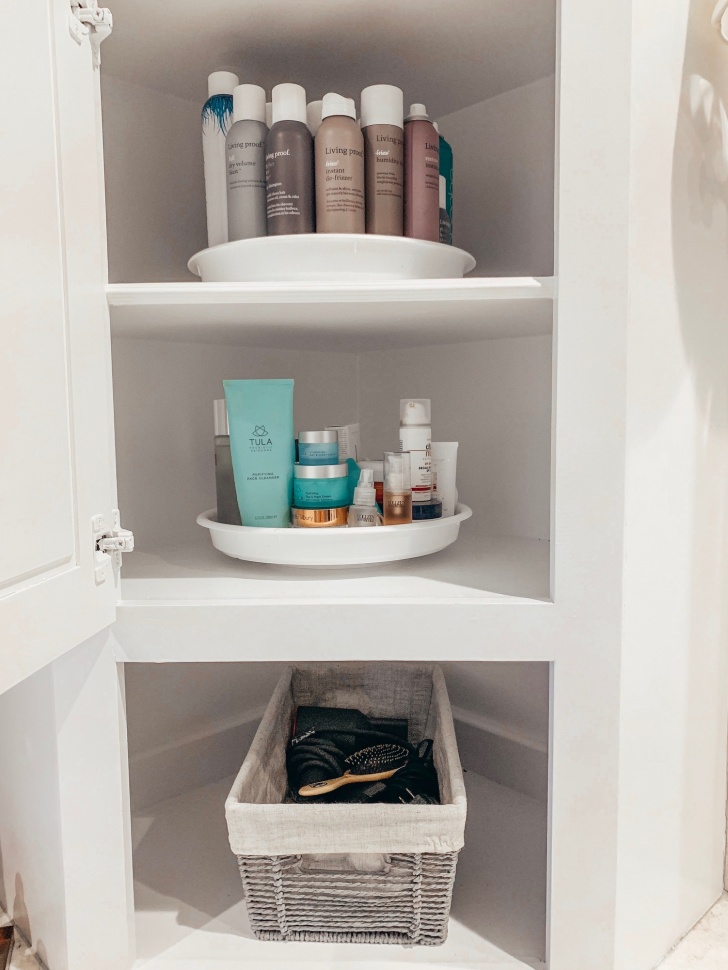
(349, 873)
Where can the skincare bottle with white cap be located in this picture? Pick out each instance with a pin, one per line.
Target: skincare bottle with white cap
(217, 117)
(382, 123)
(289, 164)
(227, 499)
(313, 116)
(415, 436)
(246, 164)
(364, 512)
(339, 160)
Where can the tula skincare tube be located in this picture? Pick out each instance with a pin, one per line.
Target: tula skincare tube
(227, 501)
(397, 491)
(217, 117)
(445, 227)
(382, 113)
(339, 160)
(444, 467)
(318, 448)
(246, 164)
(415, 436)
(260, 414)
(289, 164)
(421, 176)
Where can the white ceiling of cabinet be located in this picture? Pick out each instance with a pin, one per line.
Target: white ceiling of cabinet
(445, 53)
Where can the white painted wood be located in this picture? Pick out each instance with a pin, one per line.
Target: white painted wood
(672, 768)
(503, 200)
(57, 444)
(334, 316)
(93, 807)
(478, 568)
(64, 812)
(497, 45)
(190, 910)
(31, 846)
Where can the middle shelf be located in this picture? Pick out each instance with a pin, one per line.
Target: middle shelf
(335, 316)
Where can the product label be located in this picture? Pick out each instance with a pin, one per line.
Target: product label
(342, 185)
(417, 441)
(388, 165)
(245, 165)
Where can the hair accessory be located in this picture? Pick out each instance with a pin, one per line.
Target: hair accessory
(370, 764)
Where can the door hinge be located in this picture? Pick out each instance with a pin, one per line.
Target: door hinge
(109, 544)
(88, 19)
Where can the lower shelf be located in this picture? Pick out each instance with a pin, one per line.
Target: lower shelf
(190, 911)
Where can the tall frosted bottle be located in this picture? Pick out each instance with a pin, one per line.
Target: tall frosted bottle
(421, 176)
(382, 120)
(289, 164)
(217, 118)
(246, 202)
(339, 167)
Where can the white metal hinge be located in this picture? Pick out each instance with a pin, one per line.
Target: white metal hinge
(87, 19)
(109, 544)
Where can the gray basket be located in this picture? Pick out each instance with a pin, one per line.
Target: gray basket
(349, 873)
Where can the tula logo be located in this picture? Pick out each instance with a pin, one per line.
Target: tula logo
(260, 437)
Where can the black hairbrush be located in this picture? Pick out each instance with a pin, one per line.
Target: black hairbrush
(370, 764)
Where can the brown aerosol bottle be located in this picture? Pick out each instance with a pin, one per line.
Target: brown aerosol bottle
(339, 167)
(382, 114)
(421, 176)
(289, 164)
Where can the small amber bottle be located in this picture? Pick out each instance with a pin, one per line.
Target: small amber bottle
(397, 488)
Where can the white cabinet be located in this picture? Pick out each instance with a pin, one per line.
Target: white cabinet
(590, 398)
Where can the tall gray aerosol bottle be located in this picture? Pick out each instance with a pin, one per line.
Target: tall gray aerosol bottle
(289, 164)
(245, 147)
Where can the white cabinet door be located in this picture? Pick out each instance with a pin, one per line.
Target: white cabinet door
(56, 433)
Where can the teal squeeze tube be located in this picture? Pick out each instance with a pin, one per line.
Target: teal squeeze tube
(260, 415)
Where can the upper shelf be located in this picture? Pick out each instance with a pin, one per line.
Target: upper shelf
(335, 316)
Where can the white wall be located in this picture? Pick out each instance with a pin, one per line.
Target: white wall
(675, 646)
(495, 398)
(503, 182)
(190, 724)
(163, 394)
(155, 191)
(503, 164)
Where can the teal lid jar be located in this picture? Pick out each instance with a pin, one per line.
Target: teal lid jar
(318, 448)
(320, 486)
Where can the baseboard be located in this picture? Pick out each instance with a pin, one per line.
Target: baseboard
(190, 762)
(485, 746)
(501, 755)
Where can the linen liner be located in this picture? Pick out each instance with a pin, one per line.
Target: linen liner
(261, 823)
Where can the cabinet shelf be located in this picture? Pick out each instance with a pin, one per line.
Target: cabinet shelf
(190, 912)
(335, 316)
(495, 569)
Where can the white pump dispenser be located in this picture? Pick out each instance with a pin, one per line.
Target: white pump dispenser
(364, 513)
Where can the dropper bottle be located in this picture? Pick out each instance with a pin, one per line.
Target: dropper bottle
(364, 512)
